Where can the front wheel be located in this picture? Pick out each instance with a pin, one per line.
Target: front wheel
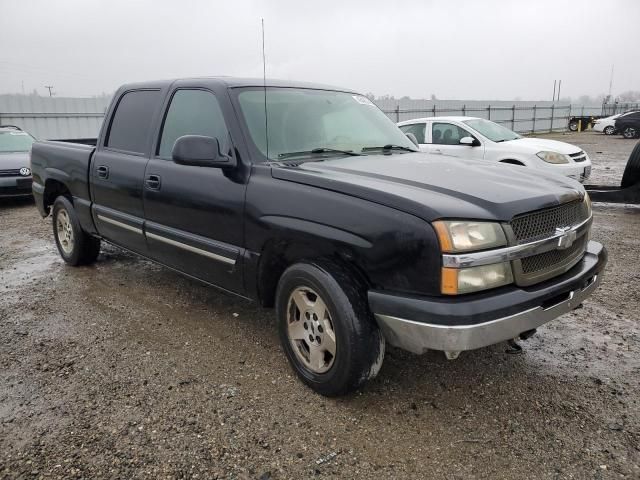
(609, 130)
(573, 126)
(75, 246)
(629, 132)
(326, 329)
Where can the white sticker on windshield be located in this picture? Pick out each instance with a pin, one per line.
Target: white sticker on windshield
(363, 100)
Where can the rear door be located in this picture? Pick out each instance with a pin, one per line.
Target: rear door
(117, 169)
(445, 139)
(194, 214)
(418, 129)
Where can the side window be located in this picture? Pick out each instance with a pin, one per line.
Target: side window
(448, 134)
(131, 121)
(192, 112)
(417, 129)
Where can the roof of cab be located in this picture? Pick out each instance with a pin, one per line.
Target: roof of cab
(235, 82)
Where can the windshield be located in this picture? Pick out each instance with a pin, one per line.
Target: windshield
(302, 120)
(491, 130)
(15, 141)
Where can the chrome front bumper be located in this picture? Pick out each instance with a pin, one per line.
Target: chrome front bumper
(459, 331)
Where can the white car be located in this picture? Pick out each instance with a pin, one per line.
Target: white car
(607, 125)
(481, 139)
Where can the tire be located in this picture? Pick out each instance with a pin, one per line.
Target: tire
(75, 246)
(609, 130)
(629, 132)
(347, 327)
(631, 175)
(573, 126)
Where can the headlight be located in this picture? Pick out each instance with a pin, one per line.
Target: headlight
(553, 157)
(456, 281)
(587, 202)
(463, 236)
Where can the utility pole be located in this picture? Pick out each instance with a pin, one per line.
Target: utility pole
(559, 85)
(49, 87)
(611, 81)
(554, 91)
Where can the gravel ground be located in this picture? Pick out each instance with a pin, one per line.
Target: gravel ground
(125, 369)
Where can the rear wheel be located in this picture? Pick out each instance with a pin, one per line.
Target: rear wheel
(609, 130)
(631, 175)
(629, 132)
(573, 125)
(75, 246)
(326, 329)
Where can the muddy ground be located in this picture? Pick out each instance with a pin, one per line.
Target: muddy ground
(125, 369)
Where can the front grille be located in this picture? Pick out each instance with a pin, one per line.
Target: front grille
(578, 157)
(553, 258)
(10, 173)
(543, 223)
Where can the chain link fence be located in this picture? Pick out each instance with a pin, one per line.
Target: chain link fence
(519, 118)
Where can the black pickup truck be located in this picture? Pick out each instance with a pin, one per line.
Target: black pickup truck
(308, 198)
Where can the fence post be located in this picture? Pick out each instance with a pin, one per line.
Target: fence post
(464, 110)
(513, 118)
(582, 111)
(533, 130)
(489, 112)
(553, 106)
(434, 110)
(397, 113)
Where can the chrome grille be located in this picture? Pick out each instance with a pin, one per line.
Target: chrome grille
(15, 172)
(543, 223)
(578, 157)
(553, 258)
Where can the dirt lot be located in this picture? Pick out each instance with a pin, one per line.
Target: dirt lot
(125, 369)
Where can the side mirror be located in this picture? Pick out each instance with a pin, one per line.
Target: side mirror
(413, 138)
(470, 141)
(200, 151)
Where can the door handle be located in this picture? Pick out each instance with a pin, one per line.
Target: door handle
(153, 182)
(103, 171)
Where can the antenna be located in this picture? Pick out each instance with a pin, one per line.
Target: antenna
(264, 85)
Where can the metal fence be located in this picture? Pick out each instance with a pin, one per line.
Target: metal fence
(519, 118)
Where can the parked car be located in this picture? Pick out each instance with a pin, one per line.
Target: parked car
(15, 173)
(480, 139)
(606, 125)
(327, 212)
(628, 125)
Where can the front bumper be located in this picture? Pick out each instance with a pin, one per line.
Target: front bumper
(475, 321)
(15, 186)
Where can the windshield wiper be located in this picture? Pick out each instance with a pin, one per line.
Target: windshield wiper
(318, 150)
(389, 147)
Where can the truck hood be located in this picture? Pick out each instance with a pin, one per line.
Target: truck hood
(13, 160)
(535, 145)
(437, 186)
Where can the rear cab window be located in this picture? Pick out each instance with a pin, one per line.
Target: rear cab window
(132, 121)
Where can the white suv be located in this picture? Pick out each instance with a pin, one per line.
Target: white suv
(481, 139)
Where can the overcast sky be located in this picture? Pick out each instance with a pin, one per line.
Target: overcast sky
(463, 49)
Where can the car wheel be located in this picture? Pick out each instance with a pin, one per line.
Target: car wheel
(75, 246)
(631, 175)
(609, 130)
(326, 329)
(573, 126)
(629, 132)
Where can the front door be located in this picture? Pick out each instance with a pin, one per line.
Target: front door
(117, 170)
(445, 139)
(194, 214)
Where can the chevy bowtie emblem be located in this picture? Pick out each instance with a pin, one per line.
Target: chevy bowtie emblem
(566, 238)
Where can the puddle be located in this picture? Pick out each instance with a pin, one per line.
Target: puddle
(39, 259)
